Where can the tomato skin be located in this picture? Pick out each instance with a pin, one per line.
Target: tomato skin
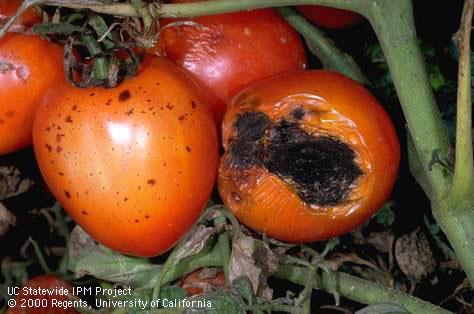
(231, 51)
(133, 165)
(43, 282)
(334, 105)
(29, 67)
(329, 17)
(196, 282)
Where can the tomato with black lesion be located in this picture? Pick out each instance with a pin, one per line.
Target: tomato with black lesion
(308, 156)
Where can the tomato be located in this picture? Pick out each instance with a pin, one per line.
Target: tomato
(202, 280)
(28, 67)
(133, 165)
(228, 52)
(9, 8)
(29, 303)
(308, 156)
(329, 17)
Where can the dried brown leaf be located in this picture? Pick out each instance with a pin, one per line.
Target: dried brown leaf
(7, 219)
(253, 259)
(11, 183)
(414, 256)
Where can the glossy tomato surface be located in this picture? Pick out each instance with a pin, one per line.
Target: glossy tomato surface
(29, 302)
(228, 52)
(133, 165)
(29, 66)
(308, 156)
(329, 17)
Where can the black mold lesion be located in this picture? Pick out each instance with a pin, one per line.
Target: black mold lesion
(321, 168)
(247, 147)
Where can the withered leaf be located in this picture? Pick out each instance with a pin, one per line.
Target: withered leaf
(253, 259)
(7, 219)
(11, 183)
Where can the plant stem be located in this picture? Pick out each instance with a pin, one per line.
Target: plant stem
(455, 213)
(197, 8)
(455, 217)
(393, 23)
(359, 290)
(101, 64)
(463, 181)
(322, 47)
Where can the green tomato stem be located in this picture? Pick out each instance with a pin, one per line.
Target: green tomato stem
(463, 181)
(322, 47)
(393, 23)
(359, 290)
(101, 64)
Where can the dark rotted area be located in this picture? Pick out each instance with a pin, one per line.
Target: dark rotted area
(320, 168)
(247, 148)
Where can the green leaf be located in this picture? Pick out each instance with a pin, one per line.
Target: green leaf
(172, 293)
(383, 308)
(56, 28)
(89, 258)
(386, 216)
(218, 303)
(243, 286)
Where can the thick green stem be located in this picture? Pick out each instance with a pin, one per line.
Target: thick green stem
(322, 47)
(455, 213)
(456, 220)
(394, 25)
(359, 290)
(197, 8)
(463, 181)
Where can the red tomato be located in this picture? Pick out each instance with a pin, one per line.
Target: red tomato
(133, 165)
(9, 8)
(202, 280)
(28, 68)
(42, 304)
(308, 156)
(329, 17)
(228, 52)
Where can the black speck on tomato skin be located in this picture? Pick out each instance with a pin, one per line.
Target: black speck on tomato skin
(124, 95)
(67, 194)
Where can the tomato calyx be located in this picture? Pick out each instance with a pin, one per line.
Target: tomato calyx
(321, 168)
